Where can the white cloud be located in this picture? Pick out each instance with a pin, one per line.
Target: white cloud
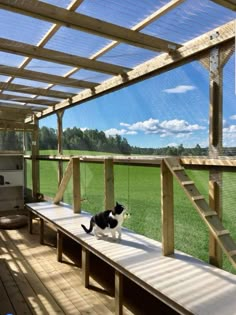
(178, 128)
(230, 129)
(233, 117)
(113, 131)
(180, 89)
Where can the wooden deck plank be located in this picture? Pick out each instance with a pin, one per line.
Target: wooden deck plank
(52, 283)
(5, 305)
(193, 287)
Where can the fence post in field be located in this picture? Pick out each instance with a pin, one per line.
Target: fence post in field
(76, 185)
(109, 183)
(167, 210)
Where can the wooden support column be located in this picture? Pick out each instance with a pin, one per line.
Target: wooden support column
(60, 143)
(167, 210)
(59, 245)
(109, 201)
(215, 147)
(118, 293)
(30, 222)
(35, 162)
(41, 231)
(76, 185)
(85, 267)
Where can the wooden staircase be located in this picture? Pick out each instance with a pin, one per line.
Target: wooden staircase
(209, 216)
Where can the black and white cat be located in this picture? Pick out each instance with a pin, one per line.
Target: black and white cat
(107, 221)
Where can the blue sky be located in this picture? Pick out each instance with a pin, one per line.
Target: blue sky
(169, 109)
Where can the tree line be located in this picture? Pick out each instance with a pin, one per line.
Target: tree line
(95, 140)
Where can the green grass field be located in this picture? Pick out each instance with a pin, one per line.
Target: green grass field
(138, 188)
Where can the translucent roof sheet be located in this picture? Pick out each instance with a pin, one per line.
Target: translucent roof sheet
(48, 67)
(77, 43)
(189, 20)
(124, 13)
(22, 28)
(67, 47)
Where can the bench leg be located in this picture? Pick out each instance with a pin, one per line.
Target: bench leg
(118, 293)
(30, 222)
(85, 267)
(41, 231)
(59, 245)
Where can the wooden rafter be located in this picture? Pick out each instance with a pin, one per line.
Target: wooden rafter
(230, 4)
(50, 55)
(157, 65)
(87, 24)
(34, 91)
(44, 77)
(21, 99)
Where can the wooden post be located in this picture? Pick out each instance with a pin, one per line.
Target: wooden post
(59, 144)
(109, 183)
(59, 245)
(118, 293)
(167, 210)
(76, 185)
(30, 222)
(215, 148)
(215, 203)
(35, 162)
(41, 231)
(85, 267)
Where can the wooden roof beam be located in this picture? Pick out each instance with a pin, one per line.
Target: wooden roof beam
(34, 91)
(155, 66)
(33, 108)
(18, 126)
(44, 77)
(21, 99)
(32, 51)
(60, 16)
(229, 4)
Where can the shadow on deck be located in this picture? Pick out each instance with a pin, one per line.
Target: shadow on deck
(33, 282)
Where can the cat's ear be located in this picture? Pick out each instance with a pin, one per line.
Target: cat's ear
(117, 203)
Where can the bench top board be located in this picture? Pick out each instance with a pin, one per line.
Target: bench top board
(181, 281)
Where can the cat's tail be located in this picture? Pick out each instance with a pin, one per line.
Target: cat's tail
(89, 230)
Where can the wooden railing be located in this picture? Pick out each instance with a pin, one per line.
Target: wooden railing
(195, 163)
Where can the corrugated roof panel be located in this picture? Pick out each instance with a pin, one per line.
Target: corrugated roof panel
(22, 28)
(48, 67)
(90, 76)
(189, 20)
(30, 83)
(4, 78)
(10, 59)
(59, 3)
(127, 55)
(76, 42)
(124, 13)
(66, 89)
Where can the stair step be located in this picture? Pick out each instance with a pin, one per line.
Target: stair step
(209, 213)
(177, 168)
(222, 232)
(232, 252)
(194, 198)
(187, 182)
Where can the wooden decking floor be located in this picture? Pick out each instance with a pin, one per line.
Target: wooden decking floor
(33, 282)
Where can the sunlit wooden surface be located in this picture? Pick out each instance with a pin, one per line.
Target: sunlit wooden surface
(183, 282)
(33, 282)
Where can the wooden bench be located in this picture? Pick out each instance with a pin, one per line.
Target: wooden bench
(182, 282)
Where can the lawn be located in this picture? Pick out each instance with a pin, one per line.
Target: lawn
(138, 188)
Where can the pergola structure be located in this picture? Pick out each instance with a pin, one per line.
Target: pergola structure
(56, 54)
(38, 34)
